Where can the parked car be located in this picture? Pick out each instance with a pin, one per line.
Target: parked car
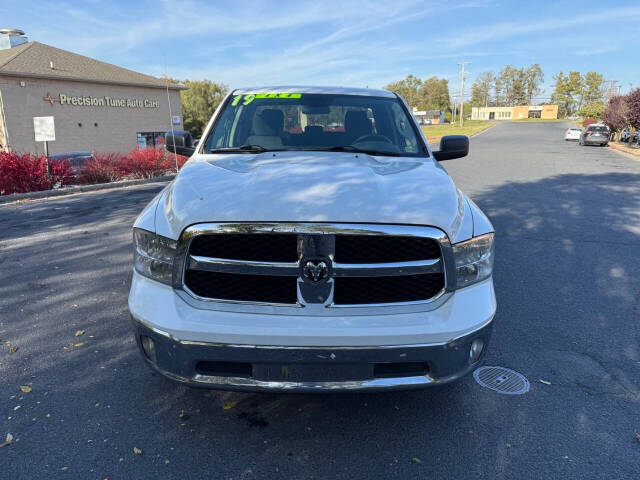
(323, 260)
(77, 159)
(595, 134)
(625, 135)
(573, 134)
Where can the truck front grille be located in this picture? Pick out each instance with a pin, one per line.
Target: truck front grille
(242, 288)
(380, 249)
(355, 265)
(268, 247)
(373, 290)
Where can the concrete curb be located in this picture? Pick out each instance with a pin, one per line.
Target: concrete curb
(436, 144)
(483, 131)
(15, 197)
(623, 151)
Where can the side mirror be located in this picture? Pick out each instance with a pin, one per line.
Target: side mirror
(180, 142)
(452, 146)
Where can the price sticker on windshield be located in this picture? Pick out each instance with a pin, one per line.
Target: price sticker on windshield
(246, 99)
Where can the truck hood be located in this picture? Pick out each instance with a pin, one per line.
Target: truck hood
(310, 187)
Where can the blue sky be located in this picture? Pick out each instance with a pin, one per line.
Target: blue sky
(355, 43)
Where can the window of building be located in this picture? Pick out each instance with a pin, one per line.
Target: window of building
(150, 139)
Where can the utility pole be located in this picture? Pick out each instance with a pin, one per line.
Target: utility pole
(462, 93)
(455, 104)
(612, 90)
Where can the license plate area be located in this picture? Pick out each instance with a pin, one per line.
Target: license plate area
(307, 372)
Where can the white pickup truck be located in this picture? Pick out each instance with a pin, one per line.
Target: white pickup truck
(313, 243)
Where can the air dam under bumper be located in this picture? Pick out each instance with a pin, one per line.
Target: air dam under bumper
(309, 369)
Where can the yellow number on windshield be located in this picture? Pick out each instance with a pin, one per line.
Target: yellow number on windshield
(248, 98)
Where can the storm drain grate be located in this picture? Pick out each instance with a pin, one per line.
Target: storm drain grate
(502, 380)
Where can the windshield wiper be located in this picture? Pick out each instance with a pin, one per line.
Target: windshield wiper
(351, 148)
(383, 153)
(243, 148)
(343, 148)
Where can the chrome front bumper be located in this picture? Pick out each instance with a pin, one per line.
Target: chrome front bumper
(308, 369)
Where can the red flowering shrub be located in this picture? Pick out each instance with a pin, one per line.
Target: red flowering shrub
(105, 167)
(26, 173)
(588, 121)
(147, 163)
(21, 173)
(60, 172)
(173, 159)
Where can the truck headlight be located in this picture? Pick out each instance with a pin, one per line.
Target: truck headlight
(474, 259)
(153, 255)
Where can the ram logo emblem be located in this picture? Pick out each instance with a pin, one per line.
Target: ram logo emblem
(315, 270)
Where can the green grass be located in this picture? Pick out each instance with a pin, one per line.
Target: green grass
(471, 127)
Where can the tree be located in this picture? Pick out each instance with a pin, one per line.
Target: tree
(533, 78)
(479, 97)
(467, 110)
(481, 89)
(429, 94)
(407, 89)
(499, 96)
(517, 91)
(592, 88)
(615, 114)
(632, 102)
(199, 101)
(593, 109)
(512, 83)
(567, 90)
(433, 94)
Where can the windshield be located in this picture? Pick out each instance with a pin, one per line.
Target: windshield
(599, 128)
(300, 121)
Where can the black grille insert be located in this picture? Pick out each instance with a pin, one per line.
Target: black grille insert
(230, 286)
(397, 369)
(225, 369)
(384, 249)
(266, 247)
(369, 290)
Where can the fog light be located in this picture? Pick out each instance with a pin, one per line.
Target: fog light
(148, 347)
(476, 349)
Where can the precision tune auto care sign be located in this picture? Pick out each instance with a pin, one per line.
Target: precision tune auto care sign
(91, 101)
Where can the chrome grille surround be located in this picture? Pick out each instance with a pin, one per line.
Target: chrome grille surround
(313, 239)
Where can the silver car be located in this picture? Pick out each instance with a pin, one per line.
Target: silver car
(595, 134)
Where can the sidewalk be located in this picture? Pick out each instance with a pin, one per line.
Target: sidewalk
(625, 149)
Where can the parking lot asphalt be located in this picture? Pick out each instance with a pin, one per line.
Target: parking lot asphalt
(567, 256)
